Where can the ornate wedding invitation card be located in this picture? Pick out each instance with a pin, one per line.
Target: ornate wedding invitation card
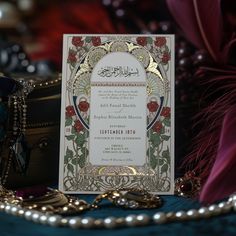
(117, 117)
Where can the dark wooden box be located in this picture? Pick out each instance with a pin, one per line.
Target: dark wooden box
(43, 136)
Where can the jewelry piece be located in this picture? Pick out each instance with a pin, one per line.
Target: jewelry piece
(130, 198)
(19, 152)
(55, 202)
(188, 186)
(13, 207)
(4, 162)
(9, 87)
(18, 147)
(50, 202)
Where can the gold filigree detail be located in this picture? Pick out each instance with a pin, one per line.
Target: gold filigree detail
(142, 55)
(84, 67)
(81, 85)
(155, 85)
(95, 55)
(119, 46)
(131, 46)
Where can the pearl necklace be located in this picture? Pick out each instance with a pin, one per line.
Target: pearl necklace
(114, 222)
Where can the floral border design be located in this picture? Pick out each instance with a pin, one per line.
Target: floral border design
(81, 45)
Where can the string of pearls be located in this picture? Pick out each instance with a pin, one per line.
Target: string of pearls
(114, 222)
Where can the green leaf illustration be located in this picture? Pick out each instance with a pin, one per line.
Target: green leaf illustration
(164, 168)
(74, 161)
(66, 160)
(73, 130)
(153, 161)
(152, 158)
(166, 121)
(85, 151)
(149, 40)
(161, 162)
(80, 139)
(165, 137)
(70, 137)
(68, 156)
(68, 121)
(163, 130)
(155, 139)
(69, 153)
(70, 168)
(82, 160)
(166, 155)
(88, 39)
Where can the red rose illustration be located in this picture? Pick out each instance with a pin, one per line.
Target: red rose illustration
(165, 57)
(78, 126)
(157, 127)
(71, 57)
(152, 106)
(165, 112)
(96, 41)
(142, 41)
(160, 41)
(70, 111)
(77, 41)
(83, 106)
